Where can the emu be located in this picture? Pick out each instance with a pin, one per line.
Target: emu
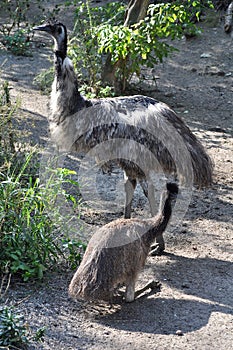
(125, 127)
(117, 252)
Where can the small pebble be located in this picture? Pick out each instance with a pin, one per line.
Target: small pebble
(106, 333)
(179, 332)
(205, 55)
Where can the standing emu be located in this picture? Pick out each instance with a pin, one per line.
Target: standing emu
(117, 252)
(125, 127)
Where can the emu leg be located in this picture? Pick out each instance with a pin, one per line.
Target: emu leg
(159, 247)
(130, 291)
(130, 185)
(144, 185)
(151, 285)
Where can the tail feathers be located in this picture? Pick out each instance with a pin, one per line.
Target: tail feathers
(201, 162)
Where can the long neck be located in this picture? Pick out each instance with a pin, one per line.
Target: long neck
(166, 213)
(60, 53)
(60, 45)
(65, 98)
(160, 221)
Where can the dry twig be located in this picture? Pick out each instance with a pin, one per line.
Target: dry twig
(5, 284)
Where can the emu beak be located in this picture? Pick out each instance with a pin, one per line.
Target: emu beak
(44, 28)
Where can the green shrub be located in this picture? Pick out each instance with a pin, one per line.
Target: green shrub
(18, 43)
(13, 328)
(16, 33)
(83, 50)
(98, 33)
(31, 225)
(44, 80)
(34, 235)
(143, 44)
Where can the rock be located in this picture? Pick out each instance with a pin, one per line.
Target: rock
(179, 332)
(213, 70)
(205, 55)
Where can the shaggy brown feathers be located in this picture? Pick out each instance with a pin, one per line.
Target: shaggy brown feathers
(138, 133)
(117, 252)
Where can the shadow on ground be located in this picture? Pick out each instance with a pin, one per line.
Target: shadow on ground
(190, 307)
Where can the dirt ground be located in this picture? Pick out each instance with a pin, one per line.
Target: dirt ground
(196, 272)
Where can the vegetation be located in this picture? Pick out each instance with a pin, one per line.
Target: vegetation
(131, 48)
(31, 234)
(107, 54)
(34, 236)
(14, 331)
(16, 34)
(18, 42)
(31, 226)
(83, 46)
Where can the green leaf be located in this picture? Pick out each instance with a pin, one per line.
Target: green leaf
(144, 55)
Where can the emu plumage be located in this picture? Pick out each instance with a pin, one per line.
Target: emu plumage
(126, 127)
(117, 252)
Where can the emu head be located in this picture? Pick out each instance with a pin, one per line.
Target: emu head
(172, 190)
(59, 33)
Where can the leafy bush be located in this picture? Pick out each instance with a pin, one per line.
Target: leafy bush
(83, 49)
(13, 328)
(142, 44)
(32, 237)
(18, 43)
(14, 331)
(16, 32)
(98, 32)
(7, 137)
(31, 227)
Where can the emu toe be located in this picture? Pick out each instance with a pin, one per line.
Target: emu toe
(151, 285)
(156, 250)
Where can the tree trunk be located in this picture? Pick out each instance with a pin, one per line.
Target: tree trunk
(136, 11)
(228, 18)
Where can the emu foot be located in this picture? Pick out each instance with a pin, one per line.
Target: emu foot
(156, 249)
(151, 285)
(116, 299)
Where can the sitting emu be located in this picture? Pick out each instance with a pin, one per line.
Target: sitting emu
(117, 252)
(78, 124)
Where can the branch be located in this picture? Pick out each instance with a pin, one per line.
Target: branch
(5, 284)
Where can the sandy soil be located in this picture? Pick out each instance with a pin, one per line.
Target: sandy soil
(196, 272)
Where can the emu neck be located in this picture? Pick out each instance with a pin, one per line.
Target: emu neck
(166, 212)
(159, 223)
(60, 48)
(60, 54)
(65, 97)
